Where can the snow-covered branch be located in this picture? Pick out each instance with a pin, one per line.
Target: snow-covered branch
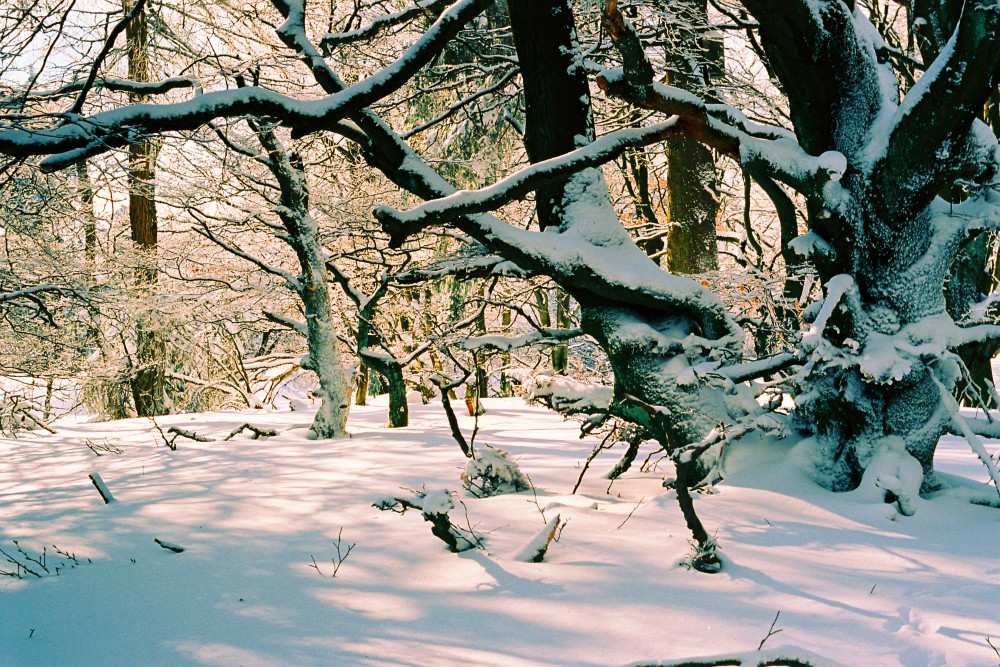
(519, 184)
(932, 131)
(570, 396)
(423, 8)
(84, 137)
(770, 151)
(509, 343)
(112, 84)
(473, 266)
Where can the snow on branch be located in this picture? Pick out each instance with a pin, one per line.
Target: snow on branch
(434, 507)
(510, 343)
(332, 40)
(84, 137)
(758, 368)
(570, 396)
(931, 133)
(772, 151)
(115, 85)
(839, 289)
(474, 266)
(520, 183)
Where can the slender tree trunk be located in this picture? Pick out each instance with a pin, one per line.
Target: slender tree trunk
(399, 411)
(88, 218)
(148, 380)
(361, 390)
(391, 370)
(324, 359)
(560, 351)
(693, 197)
(312, 287)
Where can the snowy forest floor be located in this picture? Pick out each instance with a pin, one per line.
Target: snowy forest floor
(854, 584)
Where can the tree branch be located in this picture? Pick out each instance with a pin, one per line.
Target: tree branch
(931, 137)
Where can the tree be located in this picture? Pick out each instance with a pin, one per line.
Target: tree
(147, 380)
(872, 375)
(694, 64)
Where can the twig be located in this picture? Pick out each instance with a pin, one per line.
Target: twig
(171, 445)
(641, 500)
(995, 649)
(341, 557)
(771, 632)
(534, 499)
(593, 455)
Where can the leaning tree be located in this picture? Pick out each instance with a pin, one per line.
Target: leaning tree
(874, 372)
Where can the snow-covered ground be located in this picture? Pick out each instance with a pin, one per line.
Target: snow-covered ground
(854, 584)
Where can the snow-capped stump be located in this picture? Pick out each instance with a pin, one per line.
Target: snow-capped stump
(102, 488)
(492, 472)
(434, 506)
(535, 550)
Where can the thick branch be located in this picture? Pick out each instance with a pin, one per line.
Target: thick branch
(96, 134)
(931, 132)
(519, 184)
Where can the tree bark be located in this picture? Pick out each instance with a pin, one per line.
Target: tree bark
(693, 198)
(148, 379)
(311, 285)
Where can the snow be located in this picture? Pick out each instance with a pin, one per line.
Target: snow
(853, 585)
(810, 245)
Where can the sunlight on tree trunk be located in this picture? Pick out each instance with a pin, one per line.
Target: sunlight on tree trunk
(148, 381)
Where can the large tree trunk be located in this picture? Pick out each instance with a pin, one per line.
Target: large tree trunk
(644, 346)
(883, 362)
(148, 379)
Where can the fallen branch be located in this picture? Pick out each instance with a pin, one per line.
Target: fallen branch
(182, 433)
(100, 450)
(255, 430)
(169, 546)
